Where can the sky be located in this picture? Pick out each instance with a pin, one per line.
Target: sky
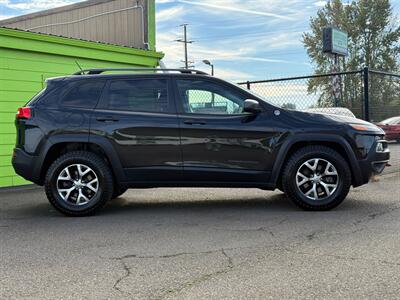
(245, 40)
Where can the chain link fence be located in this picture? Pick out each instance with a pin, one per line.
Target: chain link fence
(366, 94)
(383, 96)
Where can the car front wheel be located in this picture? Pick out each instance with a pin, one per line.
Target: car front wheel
(316, 178)
(79, 183)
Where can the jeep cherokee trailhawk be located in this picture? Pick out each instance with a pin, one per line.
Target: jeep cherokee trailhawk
(90, 136)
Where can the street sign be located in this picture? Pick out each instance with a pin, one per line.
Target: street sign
(335, 41)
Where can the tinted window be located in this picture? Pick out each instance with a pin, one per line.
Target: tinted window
(204, 97)
(149, 95)
(49, 96)
(82, 94)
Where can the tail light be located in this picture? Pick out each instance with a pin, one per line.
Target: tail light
(24, 113)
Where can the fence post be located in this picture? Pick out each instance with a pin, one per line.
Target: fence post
(366, 93)
(248, 85)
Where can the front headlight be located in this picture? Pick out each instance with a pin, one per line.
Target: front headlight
(366, 127)
(380, 147)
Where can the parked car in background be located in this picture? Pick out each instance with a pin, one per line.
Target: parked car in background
(341, 111)
(391, 127)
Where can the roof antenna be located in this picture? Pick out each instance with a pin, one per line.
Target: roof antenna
(78, 65)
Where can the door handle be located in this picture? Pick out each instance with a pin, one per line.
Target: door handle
(107, 119)
(194, 122)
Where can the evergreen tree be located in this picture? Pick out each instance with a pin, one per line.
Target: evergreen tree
(374, 41)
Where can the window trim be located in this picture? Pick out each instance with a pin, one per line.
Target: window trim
(103, 102)
(181, 110)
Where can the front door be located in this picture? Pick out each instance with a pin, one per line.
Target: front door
(220, 142)
(138, 117)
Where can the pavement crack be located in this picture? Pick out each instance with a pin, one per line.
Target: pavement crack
(203, 278)
(311, 236)
(373, 216)
(266, 229)
(230, 260)
(344, 257)
(127, 273)
(224, 252)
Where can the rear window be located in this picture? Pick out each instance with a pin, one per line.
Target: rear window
(40, 96)
(82, 94)
(139, 95)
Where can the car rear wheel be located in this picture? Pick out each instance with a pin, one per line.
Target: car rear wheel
(79, 183)
(317, 178)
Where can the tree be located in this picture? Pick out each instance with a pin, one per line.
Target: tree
(374, 41)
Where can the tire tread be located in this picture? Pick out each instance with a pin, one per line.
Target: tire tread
(290, 167)
(94, 159)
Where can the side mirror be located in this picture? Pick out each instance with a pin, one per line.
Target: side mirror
(252, 106)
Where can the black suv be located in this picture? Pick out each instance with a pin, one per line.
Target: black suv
(90, 136)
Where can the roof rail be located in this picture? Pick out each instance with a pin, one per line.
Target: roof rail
(99, 71)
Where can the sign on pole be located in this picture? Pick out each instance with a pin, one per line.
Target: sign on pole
(335, 41)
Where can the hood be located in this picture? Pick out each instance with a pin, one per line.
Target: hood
(344, 119)
(302, 118)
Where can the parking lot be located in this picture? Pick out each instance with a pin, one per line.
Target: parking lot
(394, 158)
(203, 244)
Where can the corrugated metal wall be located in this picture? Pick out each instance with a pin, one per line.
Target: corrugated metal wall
(28, 59)
(91, 20)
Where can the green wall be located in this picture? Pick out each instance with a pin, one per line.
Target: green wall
(27, 59)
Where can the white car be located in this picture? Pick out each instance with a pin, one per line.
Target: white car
(342, 111)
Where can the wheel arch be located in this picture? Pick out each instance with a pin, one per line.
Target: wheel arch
(61, 145)
(334, 142)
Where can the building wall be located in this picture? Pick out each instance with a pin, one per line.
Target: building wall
(114, 22)
(28, 59)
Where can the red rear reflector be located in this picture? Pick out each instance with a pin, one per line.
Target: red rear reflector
(24, 113)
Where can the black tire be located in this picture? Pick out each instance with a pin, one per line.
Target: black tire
(342, 180)
(118, 192)
(105, 184)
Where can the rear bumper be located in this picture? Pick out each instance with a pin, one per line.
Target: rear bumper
(26, 165)
(374, 164)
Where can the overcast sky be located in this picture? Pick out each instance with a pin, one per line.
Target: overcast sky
(251, 39)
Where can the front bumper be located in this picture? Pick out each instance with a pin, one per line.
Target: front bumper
(375, 162)
(26, 165)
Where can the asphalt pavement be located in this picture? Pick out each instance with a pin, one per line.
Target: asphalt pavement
(394, 158)
(203, 244)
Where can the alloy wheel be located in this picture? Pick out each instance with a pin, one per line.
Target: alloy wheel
(77, 184)
(317, 179)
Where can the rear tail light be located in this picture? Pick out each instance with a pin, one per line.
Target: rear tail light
(24, 113)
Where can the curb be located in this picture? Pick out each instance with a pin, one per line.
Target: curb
(27, 187)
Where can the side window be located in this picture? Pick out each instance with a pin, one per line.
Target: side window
(140, 95)
(82, 94)
(204, 97)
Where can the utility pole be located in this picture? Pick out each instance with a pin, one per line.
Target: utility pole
(185, 42)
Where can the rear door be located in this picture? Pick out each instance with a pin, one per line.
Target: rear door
(138, 117)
